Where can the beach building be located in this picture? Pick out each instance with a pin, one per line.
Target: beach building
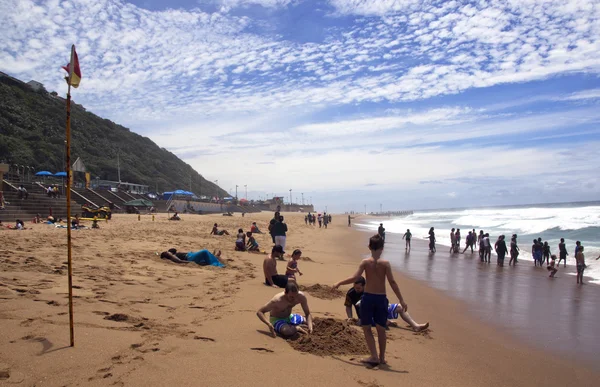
(121, 186)
(35, 85)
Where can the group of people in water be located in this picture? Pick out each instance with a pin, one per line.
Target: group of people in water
(540, 250)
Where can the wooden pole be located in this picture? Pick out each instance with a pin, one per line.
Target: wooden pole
(68, 157)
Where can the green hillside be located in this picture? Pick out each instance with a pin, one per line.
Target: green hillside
(32, 133)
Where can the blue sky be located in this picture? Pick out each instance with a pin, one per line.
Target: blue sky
(410, 104)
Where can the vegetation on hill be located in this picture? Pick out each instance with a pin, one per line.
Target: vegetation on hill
(32, 133)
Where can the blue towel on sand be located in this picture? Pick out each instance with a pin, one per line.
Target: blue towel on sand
(204, 257)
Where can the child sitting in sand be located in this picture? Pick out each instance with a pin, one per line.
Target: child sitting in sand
(215, 231)
(292, 267)
(254, 229)
(551, 266)
(252, 243)
(240, 243)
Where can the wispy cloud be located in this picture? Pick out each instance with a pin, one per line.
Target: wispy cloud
(361, 96)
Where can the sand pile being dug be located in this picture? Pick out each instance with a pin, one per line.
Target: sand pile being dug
(322, 291)
(331, 337)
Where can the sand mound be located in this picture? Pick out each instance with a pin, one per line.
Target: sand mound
(324, 292)
(331, 337)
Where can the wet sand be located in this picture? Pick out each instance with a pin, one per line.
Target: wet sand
(554, 314)
(143, 321)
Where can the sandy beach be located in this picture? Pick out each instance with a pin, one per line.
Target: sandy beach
(140, 320)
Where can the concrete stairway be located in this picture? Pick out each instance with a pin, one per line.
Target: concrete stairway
(36, 203)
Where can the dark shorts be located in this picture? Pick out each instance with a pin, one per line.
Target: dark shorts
(373, 308)
(563, 256)
(580, 269)
(279, 280)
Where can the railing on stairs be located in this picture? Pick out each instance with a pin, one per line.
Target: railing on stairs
(84, 198)
(169, 203)
(103, 198)
(10, 185)
(126, 193)
(117, 196)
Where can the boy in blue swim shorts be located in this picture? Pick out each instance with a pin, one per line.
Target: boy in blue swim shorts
(374, 303)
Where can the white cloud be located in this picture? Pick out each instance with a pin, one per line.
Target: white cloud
(582, 95)
(197, 81)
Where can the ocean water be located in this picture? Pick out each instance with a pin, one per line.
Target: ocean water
(572, 221)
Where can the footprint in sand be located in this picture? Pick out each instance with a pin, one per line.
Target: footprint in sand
(204, 338)
(369, 384)
(9, 376)
(27, 323)
(260, 349)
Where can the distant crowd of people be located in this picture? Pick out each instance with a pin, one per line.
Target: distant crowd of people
(540, 250)
(323, 220)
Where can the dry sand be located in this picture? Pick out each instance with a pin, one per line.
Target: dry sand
(140, 320)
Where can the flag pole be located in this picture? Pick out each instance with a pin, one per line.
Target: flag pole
(68, 161)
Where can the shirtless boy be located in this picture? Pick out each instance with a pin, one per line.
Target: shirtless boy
(270, 269)
(281, 320)
(354, 296)
(374, 304)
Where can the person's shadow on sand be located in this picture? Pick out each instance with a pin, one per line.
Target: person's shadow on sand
(383, 367)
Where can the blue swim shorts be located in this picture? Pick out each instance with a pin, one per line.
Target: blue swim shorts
(374, 308)
(294, 319)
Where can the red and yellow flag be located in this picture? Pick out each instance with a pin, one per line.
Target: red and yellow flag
(73, 69)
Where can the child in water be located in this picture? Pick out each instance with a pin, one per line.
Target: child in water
(552, 268)
(292, 267)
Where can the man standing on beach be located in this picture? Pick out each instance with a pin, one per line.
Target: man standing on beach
(407, 235)
(279, 231)
(452, 240)
(580, 258)
(270, 269)
(374, 304)
(562, 252)
(280, 307)
(381, 231)
(349, 221)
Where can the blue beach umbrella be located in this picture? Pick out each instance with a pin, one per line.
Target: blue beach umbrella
(44, 173)
(60, 174)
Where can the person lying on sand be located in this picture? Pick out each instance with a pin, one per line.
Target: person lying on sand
(19, 225)
(374, 303)
(354, 296)
(202, 257)
(281, 320)
(215, 231)
(270, 269)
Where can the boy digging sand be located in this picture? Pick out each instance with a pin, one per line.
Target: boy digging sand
(374, 304)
